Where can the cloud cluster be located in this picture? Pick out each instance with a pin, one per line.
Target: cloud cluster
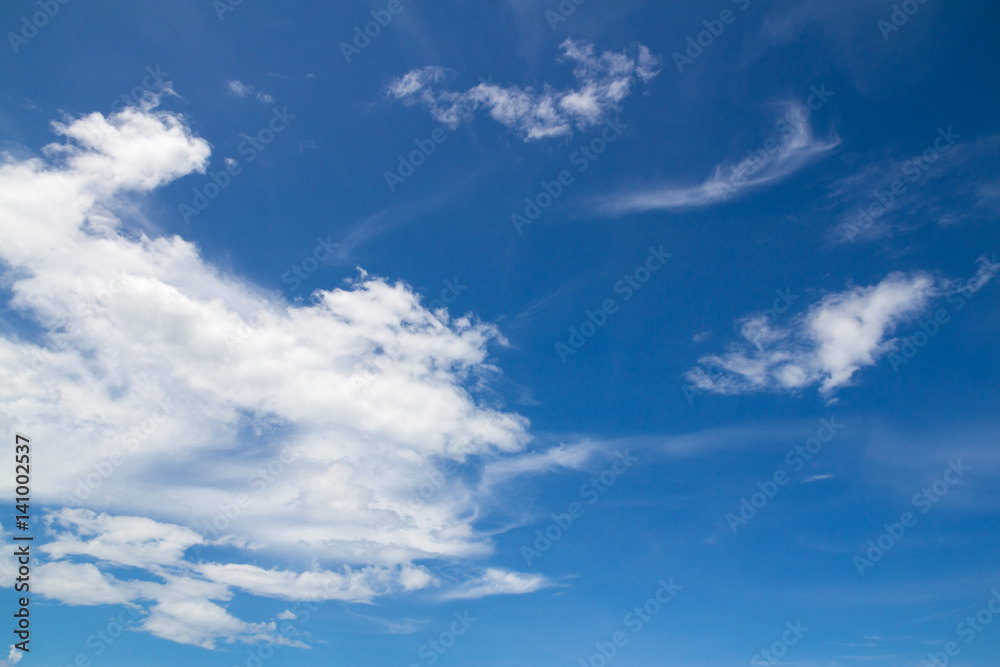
(183, 594)
(603, 81)
(836, 337)
(240, 89)
(185, 408)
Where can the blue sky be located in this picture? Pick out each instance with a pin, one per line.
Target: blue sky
(511, 333)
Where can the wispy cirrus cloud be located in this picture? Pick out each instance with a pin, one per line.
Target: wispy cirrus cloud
(952, 180)
(603, 82)
(496, 581)
(778, 159)
(573, 456)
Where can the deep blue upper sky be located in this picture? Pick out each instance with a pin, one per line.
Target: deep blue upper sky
(687, 372)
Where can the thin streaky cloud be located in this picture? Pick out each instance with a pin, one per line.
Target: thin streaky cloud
(497, 581)
(779, 160)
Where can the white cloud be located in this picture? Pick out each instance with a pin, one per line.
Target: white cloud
(166, 389)
(287, 615)
(603, 81)
(123, 540)
(240, 89)
(497, 581)
(81, 584)
(572, 457)
(777, 160)
(14, 656)
(184, 613)
(414, 81)
(180, 605)
(354, 586)
(836, 337)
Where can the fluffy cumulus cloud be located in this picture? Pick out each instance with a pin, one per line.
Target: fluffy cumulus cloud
(602, 82)
(836, 337)
(180, 408)
(793, 147)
